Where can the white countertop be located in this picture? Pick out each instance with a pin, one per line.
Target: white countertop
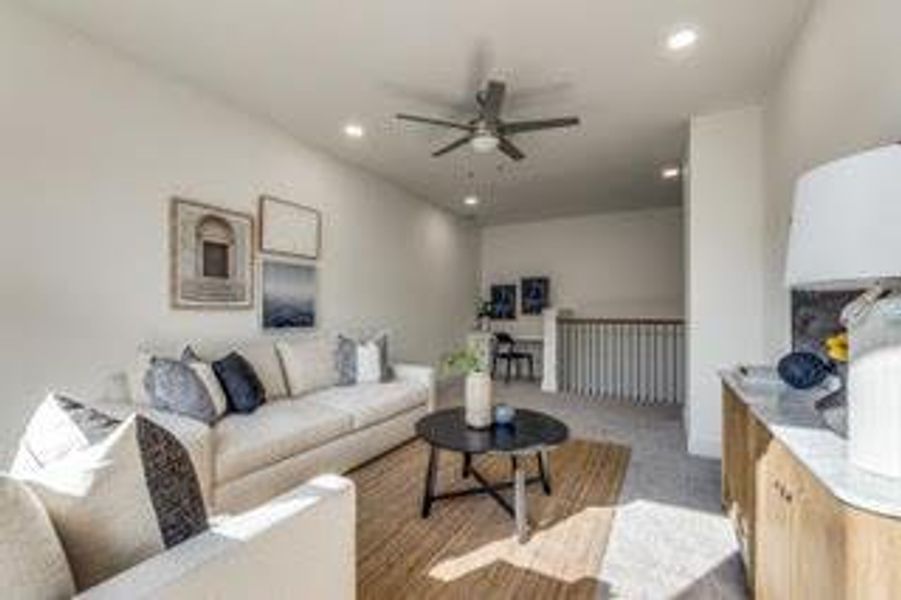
(791, 417)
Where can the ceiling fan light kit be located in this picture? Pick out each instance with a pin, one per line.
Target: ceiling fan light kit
(487, 131)
(483, 143)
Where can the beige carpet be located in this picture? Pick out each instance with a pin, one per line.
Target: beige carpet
(466, 548)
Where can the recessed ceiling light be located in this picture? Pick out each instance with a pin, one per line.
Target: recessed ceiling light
(471, 200)
(354, 130)
(670, 172)
(682, 39)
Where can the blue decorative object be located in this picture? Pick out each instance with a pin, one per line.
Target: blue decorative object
(803, 370)
(503, 414)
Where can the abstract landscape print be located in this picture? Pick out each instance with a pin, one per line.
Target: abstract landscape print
(289, 295)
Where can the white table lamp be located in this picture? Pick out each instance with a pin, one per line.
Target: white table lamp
(845, 235)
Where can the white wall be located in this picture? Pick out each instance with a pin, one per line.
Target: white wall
(724, 229)
(91, 148)
(839, 93)
(607, 265)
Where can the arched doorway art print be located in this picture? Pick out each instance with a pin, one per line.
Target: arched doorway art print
(211, 256)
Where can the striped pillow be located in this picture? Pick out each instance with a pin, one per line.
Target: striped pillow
(362, 361)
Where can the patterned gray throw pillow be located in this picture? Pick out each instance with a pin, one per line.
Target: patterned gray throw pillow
(346, 361)
(346, 358)
(173, 386)
(382, 342)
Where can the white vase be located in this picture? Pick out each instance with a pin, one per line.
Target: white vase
(478, 400)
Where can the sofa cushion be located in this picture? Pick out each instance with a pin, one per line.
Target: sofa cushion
(309, 363)
(273, 433)
(268, 366)
(371, 403)
(33, 565)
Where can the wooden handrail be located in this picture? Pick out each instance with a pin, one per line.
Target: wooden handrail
(620, 321)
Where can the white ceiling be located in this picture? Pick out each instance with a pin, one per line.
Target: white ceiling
(313, 65)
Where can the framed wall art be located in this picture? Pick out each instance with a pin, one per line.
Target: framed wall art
(535, 294)
(503, 302)
(211, 256)
(289, 295)
(289, 229)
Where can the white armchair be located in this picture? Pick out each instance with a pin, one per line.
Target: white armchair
(299, 545)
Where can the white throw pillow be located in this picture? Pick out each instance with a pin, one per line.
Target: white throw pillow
(121, 501)
(33, 565)
(369, 363)
(309, 364)
(59, 426)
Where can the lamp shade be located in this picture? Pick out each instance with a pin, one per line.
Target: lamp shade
(846, 227)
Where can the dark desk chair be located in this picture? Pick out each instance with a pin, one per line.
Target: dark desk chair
(505, 350)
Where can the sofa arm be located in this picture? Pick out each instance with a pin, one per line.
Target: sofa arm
(299, 545)
(196, 437)
(419, 374)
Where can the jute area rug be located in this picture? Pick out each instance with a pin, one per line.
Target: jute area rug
(466, 548)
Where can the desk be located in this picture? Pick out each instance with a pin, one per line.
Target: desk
(482, 343)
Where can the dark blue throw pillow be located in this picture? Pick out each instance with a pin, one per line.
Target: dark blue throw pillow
(803, 370)
(240, 382)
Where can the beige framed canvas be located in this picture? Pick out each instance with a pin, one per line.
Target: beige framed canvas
(212, 253)
(289, 229)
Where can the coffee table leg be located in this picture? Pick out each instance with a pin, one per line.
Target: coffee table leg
(467, 464)
(431, 472)
(544, 470)
(519, 501)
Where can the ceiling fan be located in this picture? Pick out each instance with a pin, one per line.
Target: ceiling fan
(488, 131)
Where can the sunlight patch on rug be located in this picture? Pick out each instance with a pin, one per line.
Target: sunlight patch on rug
(568, 551)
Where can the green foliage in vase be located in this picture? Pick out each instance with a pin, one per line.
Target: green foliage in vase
(462, 362)
(483, 308)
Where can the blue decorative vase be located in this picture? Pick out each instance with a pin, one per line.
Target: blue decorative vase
(503, 414)
(803, 370)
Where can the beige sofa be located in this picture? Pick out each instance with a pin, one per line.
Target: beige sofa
(298, 545)
(244, 460)
(283, 521)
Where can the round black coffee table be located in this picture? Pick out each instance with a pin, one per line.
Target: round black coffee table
(530, 434)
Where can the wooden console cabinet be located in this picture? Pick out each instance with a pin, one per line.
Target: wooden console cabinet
(797, 540)
(747, 440)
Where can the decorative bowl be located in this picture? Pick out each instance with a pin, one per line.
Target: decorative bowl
(504, 414)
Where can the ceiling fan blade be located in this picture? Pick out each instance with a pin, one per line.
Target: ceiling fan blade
(507, 147)
(492, 100)
(537, 125)
(440, 122)
(452, 146)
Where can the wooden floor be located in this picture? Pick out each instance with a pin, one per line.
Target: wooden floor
(466, 549)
